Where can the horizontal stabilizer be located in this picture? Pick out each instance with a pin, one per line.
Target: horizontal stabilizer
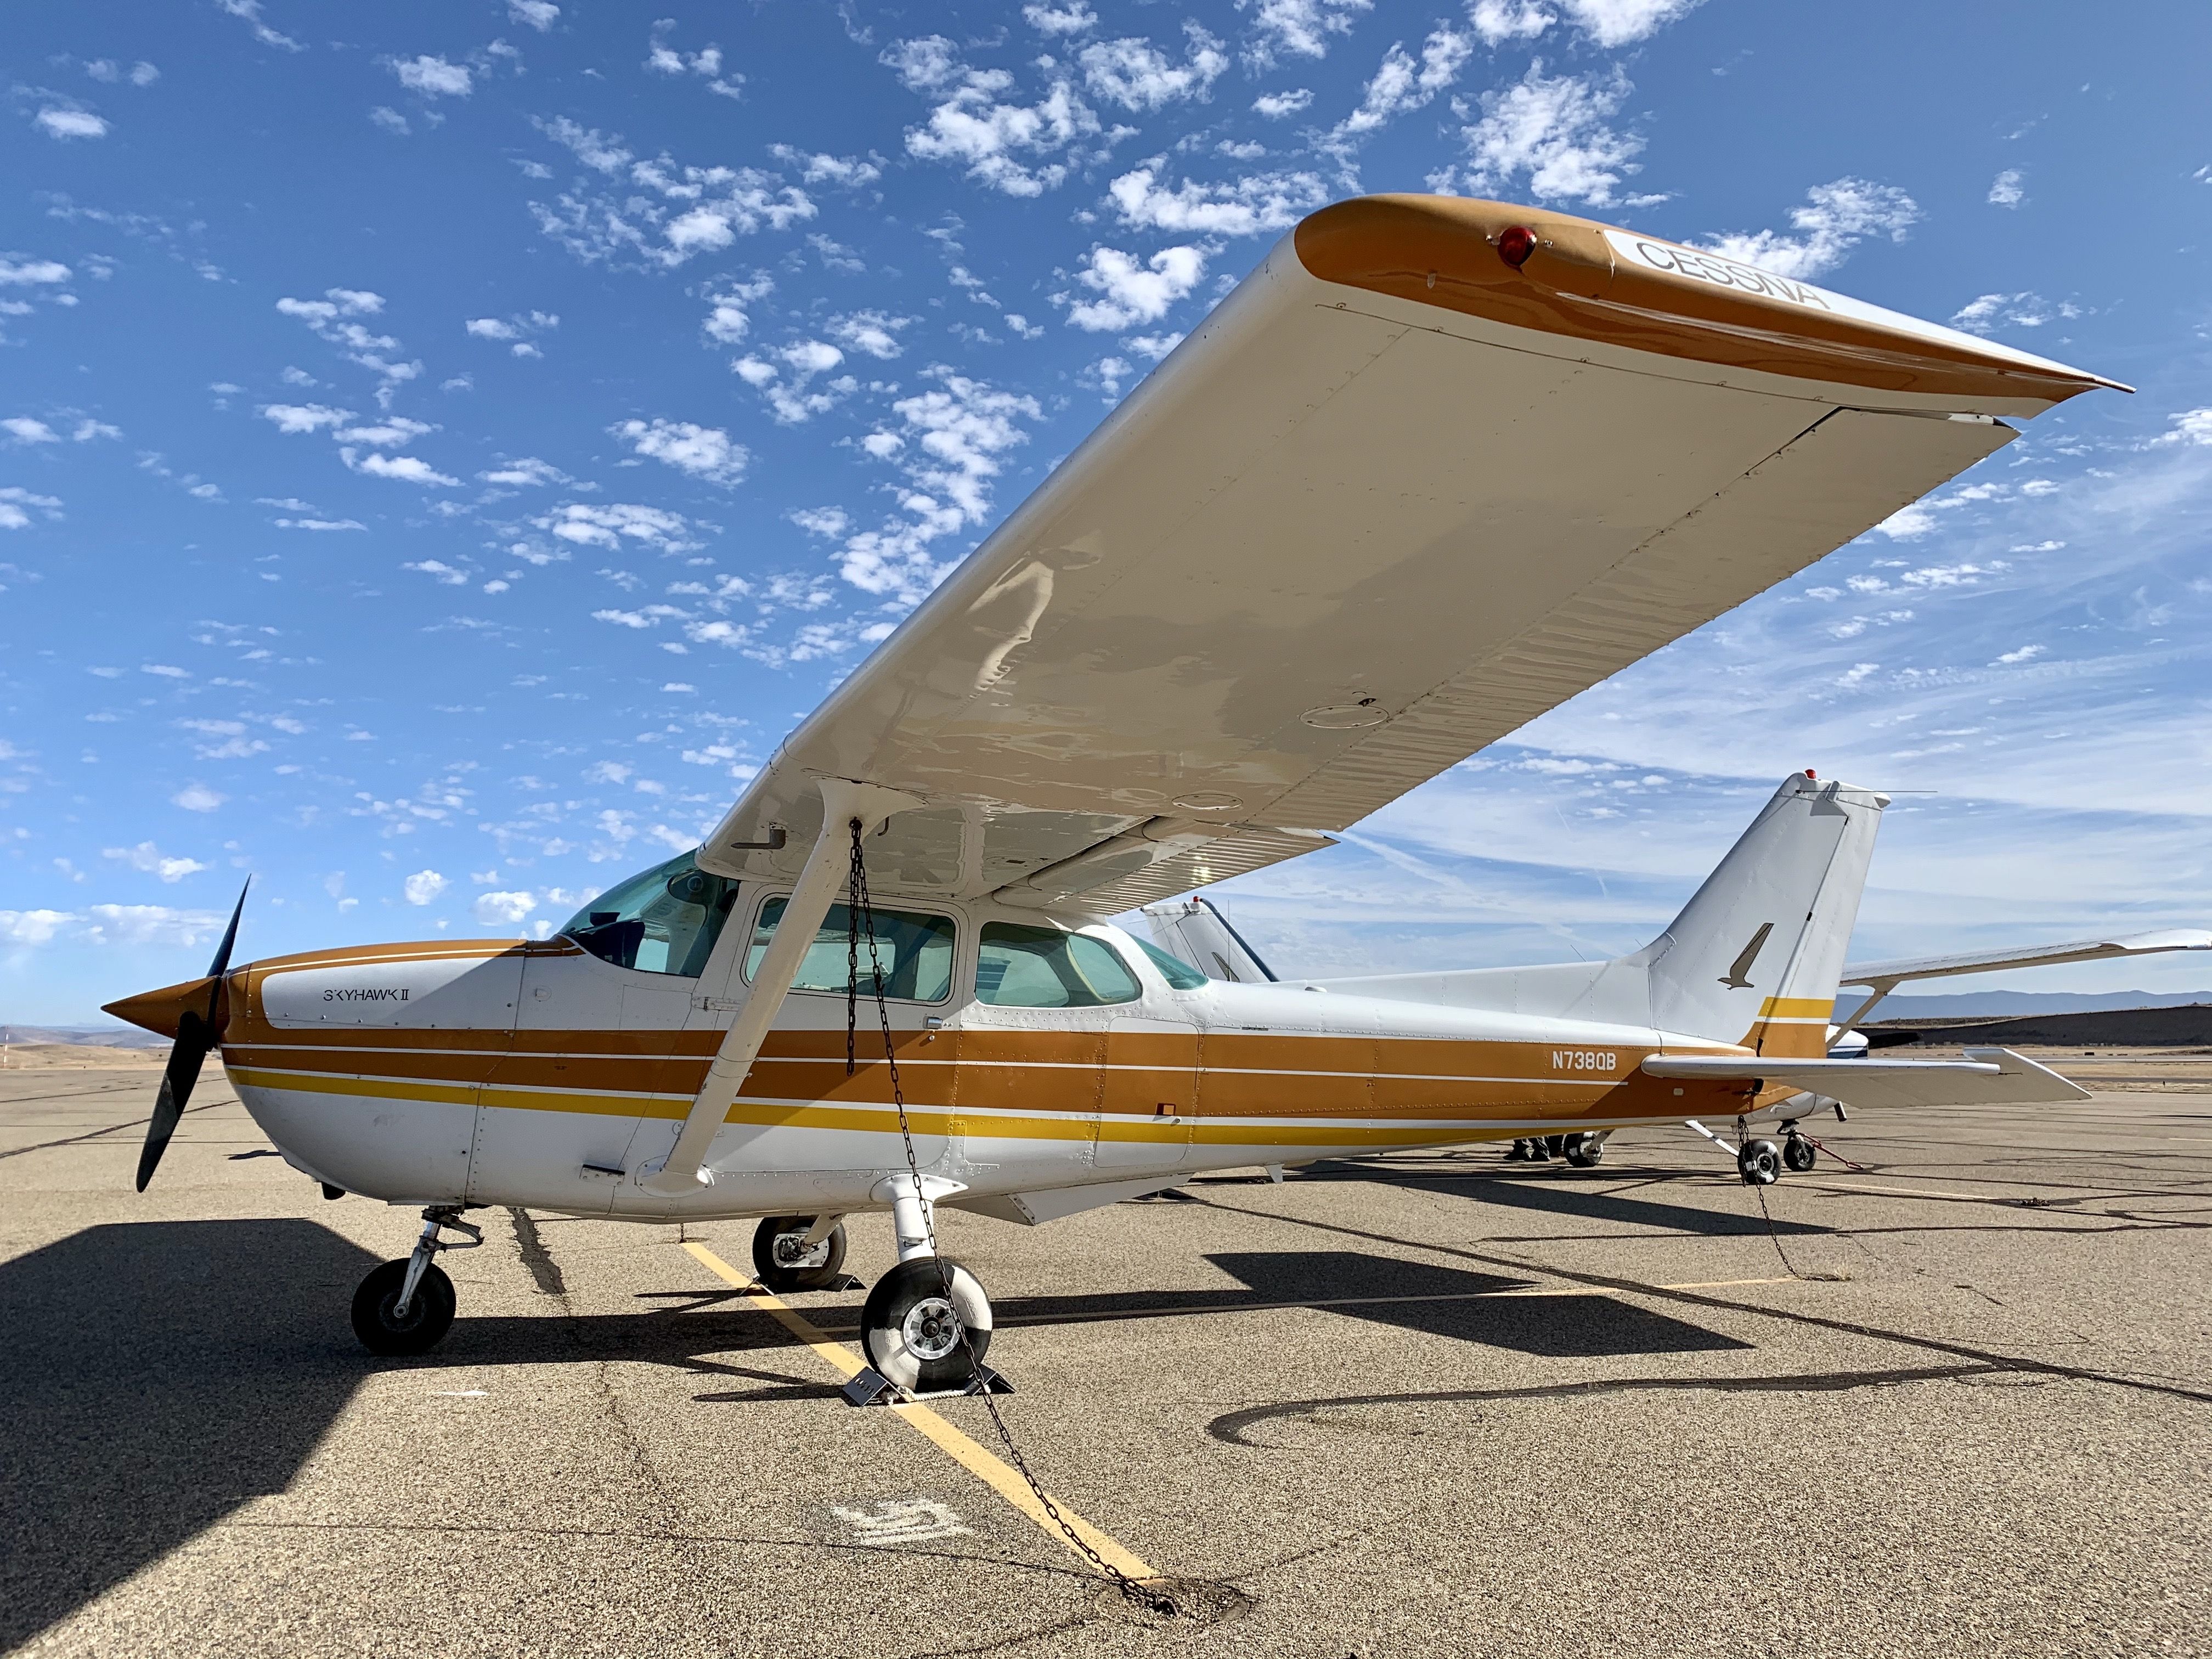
(1986, 1077)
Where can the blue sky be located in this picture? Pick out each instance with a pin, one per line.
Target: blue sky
(439, 457)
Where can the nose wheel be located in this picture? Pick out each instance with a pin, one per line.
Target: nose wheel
(1799, 1153)
(406, 1307)
(911, 1328)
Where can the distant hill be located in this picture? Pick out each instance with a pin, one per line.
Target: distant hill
(96, 1036)
(2000, 1005)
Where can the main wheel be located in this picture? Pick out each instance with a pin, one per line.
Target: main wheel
(429, 1317)
(1761, 1161)
(1586, 1152)
(911, 1331)
(785, 1262)
(1799, 1153)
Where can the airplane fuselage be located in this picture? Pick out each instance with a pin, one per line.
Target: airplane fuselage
(538, 1074)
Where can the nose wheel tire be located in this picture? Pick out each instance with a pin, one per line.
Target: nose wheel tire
(911, 1331)
(785, 1262)
(1761, 1161)
(429, 1317)
(1799, 1154)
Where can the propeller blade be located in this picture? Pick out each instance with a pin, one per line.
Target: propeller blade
(197, 1036)
(222, 962)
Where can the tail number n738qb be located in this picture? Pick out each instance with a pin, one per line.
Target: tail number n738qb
(1584, 1059)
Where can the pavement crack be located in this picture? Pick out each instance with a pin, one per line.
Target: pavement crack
(544, 1269)
(94, 1134)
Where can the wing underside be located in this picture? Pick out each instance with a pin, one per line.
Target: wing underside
(1342, 538)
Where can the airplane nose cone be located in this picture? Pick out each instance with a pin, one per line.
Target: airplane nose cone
(161, 1011)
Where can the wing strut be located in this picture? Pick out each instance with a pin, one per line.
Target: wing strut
(685, 1169)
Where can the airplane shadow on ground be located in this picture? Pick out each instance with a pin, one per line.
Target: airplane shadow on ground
(1566, 1198)
(158, 1375)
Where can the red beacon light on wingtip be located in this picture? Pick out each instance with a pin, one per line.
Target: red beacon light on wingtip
(1811, 773)
(1515, 243)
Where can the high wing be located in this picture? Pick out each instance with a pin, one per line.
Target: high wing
(1411, 484)
(1986, 1077)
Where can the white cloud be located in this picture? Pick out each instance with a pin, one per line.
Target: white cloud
(423, 886)
(20, 273)
(1500, 21)
(319, 524)
(540, 15)
(873, 332)
(25, 430)
(663, 60)
(790, 399)
(1268, 201)
(148, 857)
(528, 472)
(1993, 311)
(445, 572)
(150, 923)
(1276, 105)
(304, 417)
(1620, 23)
(1137, 75)
(1073, 18)
(390, 120)
(2008, 189)
(404, 469)
(1553, 131)
(949, 446)
(849, 171)
(503, 909)
(88, 429)
(1129, 293)
(1836, 218)
(250, 12)
(704, 452)
(433, 78)
(197, 798)
(2025, 654)
(387, 433)
(1401, 84)
(1299, 27)
(972, 127)
(689, 210)
(611, 525)
(2191, 426)
(57, 123)
(31, 927)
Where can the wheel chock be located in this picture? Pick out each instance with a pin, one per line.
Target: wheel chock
(870, 1387)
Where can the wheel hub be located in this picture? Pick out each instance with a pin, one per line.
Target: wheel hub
(792, 1250)
(931, 1328)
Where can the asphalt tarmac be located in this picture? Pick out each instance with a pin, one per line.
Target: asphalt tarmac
(1958, 1403)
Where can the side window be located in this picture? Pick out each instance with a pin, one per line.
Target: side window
(915, 951)
(664, 921)
(1018, 967)
(1174, 970)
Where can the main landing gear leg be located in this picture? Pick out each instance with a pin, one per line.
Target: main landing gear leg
(913, 1321)
(405, 1307)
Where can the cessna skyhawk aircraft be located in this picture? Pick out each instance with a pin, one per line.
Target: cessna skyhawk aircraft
(1432, 469)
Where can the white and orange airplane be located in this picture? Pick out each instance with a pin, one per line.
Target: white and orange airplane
(1432, 469)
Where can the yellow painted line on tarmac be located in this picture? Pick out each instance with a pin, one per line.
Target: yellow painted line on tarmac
(993, 1472)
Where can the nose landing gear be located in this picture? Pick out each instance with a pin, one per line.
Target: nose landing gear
(800, 1253)
(1798, 1152)
(405, 1307)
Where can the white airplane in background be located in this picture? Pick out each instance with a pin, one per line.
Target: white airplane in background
(1432, 469)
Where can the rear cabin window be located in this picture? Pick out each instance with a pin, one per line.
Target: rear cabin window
(913, 949)
(1018, 967)
(664, 921)
(1174, 970)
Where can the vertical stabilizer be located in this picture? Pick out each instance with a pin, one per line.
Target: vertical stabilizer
(1756, 956)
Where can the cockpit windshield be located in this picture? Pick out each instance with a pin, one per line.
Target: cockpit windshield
(664, 921)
